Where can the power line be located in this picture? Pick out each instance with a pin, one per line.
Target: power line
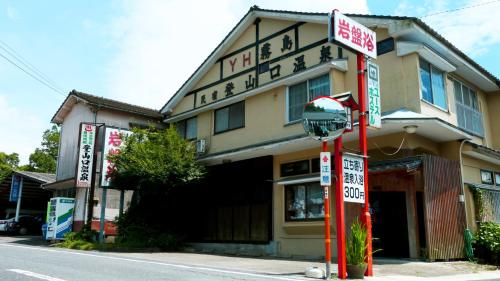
(27, 64)
(33, 76)
(459, 9)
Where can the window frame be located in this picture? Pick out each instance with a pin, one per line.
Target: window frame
(184, 133)
(491, 174)
(472, 102)
(443, 76)
(287, 96)
(306, 185)
(229, 115)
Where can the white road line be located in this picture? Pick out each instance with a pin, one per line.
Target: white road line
(36, 275)
(156, 263)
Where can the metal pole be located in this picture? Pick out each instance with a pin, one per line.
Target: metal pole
(326, 204)
(122, 201)
(365, 214)
(341, 258)
(103, 213)
(18, 207)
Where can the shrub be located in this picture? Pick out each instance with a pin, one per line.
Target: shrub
(82, 240)
(487, 243)
(142, 236)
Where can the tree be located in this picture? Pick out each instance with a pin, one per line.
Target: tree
(156, 159)
(8, 162)
(154, 163)
(44, 159)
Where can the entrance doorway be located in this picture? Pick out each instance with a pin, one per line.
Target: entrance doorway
(389, 224)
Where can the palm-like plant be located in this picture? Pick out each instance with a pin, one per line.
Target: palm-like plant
(356, 244)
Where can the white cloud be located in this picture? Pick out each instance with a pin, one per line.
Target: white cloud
(473, 30)
(161, 43)
(21, 130)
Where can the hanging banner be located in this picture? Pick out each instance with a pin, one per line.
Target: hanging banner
(14, 188)
(114, 140)
(374, 107)
(353, 34)
(354, 183)
(85, 155)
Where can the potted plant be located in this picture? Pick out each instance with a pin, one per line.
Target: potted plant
(356, 251)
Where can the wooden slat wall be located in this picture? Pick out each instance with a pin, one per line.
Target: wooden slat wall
(445, 217)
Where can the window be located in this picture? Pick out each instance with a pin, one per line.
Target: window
(187, 128)
(295, 168)
(486, 177)
(304, 202)
(230, 117)
(468, 114)
(302, 93)
(432, 83)
(497, 178)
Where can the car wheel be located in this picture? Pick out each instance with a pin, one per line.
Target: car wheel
(23, 231)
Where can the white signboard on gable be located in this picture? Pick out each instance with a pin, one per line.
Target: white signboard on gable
(325, 168)
(351, 33)
(353, 176)
(374, 107)
(85, 155)
(113, 143)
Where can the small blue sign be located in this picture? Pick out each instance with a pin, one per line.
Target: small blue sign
(14, 188)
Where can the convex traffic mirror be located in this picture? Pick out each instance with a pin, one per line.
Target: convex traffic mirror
(324, 118)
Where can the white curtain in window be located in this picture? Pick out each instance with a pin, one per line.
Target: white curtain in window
(319, 86)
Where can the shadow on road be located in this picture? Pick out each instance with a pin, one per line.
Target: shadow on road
(25, 240)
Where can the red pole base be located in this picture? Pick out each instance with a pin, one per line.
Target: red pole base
(366, 219)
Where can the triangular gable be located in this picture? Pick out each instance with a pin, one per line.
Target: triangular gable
(237, 54)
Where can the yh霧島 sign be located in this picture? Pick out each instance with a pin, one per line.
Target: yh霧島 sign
(354, 178)
(352, 34)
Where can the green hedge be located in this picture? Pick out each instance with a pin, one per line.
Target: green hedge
(487, 243)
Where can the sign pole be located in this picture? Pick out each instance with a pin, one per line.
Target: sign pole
(90, 203)
(326, 204)
(18, 206)
(341, 257)
(365, 215)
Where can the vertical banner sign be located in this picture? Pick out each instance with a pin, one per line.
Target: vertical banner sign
(85, 155)
(14, 188)
(349, 125)
(113, 142)
(354, 35)
(325, 168)
(354, 183)
(374, 115)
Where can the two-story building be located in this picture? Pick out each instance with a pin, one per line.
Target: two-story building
(80, 108)
(244, 106)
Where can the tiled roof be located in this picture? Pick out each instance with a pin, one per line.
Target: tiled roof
(110, 104)
(42, 178)
(118, 105)
(414, 19)
(418, 21)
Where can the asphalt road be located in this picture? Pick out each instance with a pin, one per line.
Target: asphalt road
(23, 262)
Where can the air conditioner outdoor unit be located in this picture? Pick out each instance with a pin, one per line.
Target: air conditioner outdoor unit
(201, 146)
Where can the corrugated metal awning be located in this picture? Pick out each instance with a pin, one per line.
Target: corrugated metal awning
(409, 164)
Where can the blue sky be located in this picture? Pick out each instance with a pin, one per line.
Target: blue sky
(134, 51)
